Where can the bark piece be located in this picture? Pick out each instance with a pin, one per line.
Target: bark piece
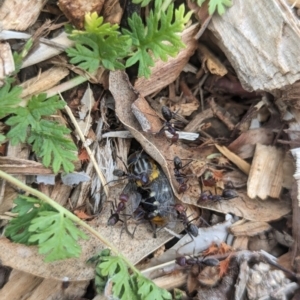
(266, 173)
(163, 73)
(13, 165)
(44, 81)
(244, 145)
(19, 284)
(7, 64)
(19, 15)
(261, 40)
(296, 154)
(75, 10)
(240, 163)
(249, 228)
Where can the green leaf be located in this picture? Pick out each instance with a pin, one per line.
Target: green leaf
(143, 3)
(149, 291)
(48, 137)
(17, 228)
(100, 44)
(41, 106)
(219, 5)
(52, 146)
(56, 236)
(159, 39)
(2, 138)
(123, 285)
(30, 116)
(19, 125)
(27, 208)
(9, 99)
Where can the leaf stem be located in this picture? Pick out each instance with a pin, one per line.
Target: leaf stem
(68, 214)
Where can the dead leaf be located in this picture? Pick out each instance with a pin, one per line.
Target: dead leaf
(83, 155)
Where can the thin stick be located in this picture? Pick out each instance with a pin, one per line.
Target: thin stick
(88, 150)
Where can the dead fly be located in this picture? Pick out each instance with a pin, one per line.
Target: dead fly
(145, 202)
(180, 177)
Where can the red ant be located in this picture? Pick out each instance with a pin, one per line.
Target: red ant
(143, 178)
(184, 262)
(115, 214)
(168, 116)
(190, 228)
(180, 177)
(227, 194)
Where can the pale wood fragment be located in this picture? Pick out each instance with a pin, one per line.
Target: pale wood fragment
(240, 242)
(19, 283)
(296, 154)
(249, 228)
(18, 166)
(52, 289)
(19, 15)
(266, 173)
(210, 61)
(7, 64)
(163, 73)
(44, 52)
(244, 145)
(240, 163)
(294, 3)
(169, 282)
(44, 81)
(261, 40)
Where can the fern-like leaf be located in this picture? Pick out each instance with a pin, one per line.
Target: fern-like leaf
(48, 137)
(160, 37)
(56, 236)
(123, 285)
(143, 3)
(27, 209)
(100, 44)
(148, 290)
(53, 147)
(218, 5)
(9, 99)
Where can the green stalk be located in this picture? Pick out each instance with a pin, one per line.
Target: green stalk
(68, 214)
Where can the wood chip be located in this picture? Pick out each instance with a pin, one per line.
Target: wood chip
(249, 228)
(262, 60)
(240, 163)
(7, 64)
(44, 81)
(19, 15)
(266, 173)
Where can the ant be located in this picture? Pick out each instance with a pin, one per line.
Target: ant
(227, 194)
(115, 214)
(190, 228)
(180, 177)
(143, 178)
(168, 116)
(184, 262)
